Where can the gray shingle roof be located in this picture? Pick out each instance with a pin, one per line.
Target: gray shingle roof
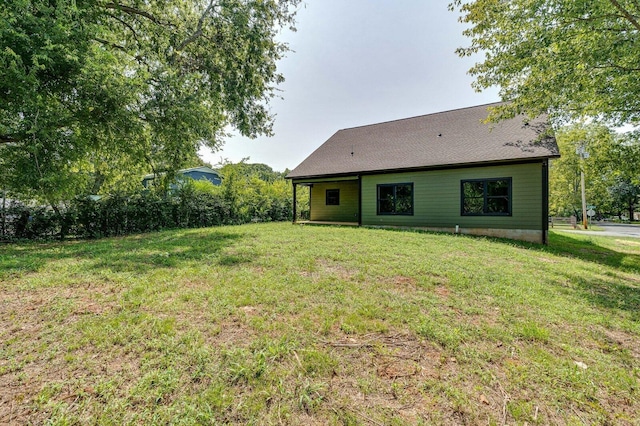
(450, 138)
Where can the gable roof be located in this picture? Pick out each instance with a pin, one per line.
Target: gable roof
(451, 138)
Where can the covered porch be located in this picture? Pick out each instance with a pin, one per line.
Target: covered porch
(332, 201)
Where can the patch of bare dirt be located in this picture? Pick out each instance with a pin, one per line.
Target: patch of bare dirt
(442, 291)
(382, 373)
(328, 268)
(400, 375)
(625, 341)
(404, 283)
(230, 333)
(34, 323)
(400, 284)
(249, 310)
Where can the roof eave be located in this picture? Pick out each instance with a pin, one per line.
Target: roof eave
(427, 168)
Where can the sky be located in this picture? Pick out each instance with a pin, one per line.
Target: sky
(358, 62)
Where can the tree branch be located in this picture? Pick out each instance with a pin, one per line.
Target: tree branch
(126, 24)
(198, 31)
(108, 43)
(626, 14)
(6, 139)
(616, 66)
(133, 11)
(594, 18)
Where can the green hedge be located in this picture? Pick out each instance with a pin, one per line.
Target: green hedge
(123, 214)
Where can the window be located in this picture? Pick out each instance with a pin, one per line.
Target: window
(486, 197)
(333, 197)
(395, 199)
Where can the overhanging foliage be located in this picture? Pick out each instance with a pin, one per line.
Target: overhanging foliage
(573, 59)
(91, 88)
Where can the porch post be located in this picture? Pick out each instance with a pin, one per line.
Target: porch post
(295, 198)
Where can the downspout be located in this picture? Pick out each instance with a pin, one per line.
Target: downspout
(545, 201)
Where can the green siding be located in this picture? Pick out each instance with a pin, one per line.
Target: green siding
(437, 198)
(347, 211)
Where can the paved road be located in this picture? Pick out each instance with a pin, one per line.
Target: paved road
(613, 230)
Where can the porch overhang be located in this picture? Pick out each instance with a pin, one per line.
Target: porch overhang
(311, 180)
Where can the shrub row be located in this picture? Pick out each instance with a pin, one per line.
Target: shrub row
(123, 214)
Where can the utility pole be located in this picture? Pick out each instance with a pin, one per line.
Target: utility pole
(582, 152)
(584, 199)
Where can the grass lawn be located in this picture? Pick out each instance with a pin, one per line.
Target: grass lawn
(284, 324)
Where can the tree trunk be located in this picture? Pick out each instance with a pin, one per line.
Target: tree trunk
(4, 213)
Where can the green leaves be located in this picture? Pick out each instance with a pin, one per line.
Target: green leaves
(611, 170)
(574, 59)
(125, 83)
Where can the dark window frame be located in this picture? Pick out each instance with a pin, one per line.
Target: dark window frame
(486, 198)
(394, 185)
(336, 196)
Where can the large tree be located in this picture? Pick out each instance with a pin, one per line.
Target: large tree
(612, 170)
(564, 185)
(87, 86)
(571, 58)
(625, 195)
(624, 191)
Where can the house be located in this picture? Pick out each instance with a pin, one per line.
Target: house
(195, 173)
(448, 172)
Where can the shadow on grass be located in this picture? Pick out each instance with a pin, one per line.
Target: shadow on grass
(601, 291)
(560, 244)
(138, 254)
(589, 250)
(607, 293)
